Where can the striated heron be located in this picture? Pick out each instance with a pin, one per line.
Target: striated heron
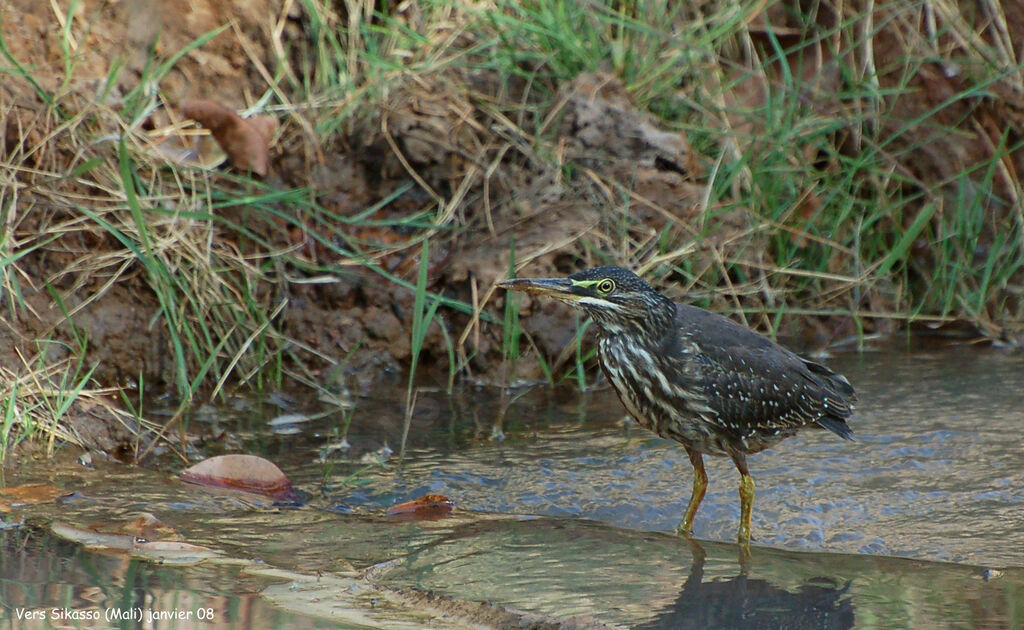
(699, 378)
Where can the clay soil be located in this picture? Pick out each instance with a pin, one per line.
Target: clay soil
(439, 138)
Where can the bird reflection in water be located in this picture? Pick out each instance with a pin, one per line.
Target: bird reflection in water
(753, 603)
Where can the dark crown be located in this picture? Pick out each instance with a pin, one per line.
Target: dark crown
(625, 280)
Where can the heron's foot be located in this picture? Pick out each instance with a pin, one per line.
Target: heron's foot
(743, 539)
(744, 554)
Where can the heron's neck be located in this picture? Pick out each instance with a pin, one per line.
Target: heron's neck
(655, 320)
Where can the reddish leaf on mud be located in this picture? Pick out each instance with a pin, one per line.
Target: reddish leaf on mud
(32, 494)
(430, 507)
(245, 141)
(248, 473)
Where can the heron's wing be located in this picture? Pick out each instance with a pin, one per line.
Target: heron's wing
(753, 384)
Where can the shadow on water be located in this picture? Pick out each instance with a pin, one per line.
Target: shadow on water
(563, 511)
(746, 602)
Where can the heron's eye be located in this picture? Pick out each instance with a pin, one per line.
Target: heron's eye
(605, 286)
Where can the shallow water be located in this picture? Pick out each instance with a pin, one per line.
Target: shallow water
(936, 472)
(919, 523)
(50, 583)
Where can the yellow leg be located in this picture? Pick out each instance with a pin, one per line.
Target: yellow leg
(700, 486)
(746, 507)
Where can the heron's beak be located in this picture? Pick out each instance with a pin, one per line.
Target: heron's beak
(558, 288)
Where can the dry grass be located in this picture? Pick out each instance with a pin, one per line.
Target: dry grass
(53, 401)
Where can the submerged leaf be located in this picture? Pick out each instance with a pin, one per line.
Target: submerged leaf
(145, 526)
(32, 494)
(92, 538)
(159, 550)
(288, 424)
(248, 473)
(290, 418)
(171, 551)
(430, 507)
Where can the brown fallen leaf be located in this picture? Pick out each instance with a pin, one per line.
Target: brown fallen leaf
(430, 507)
(264, 124)
(248, 473)
(32, 494)
(246, 141)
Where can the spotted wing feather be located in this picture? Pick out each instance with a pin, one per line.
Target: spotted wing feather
(755, 387)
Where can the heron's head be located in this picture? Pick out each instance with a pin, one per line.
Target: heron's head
(616, 299)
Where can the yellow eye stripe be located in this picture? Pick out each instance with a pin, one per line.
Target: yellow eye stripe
(604, 286)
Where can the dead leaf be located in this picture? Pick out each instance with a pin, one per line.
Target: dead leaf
(245, 141)
(171, 551)
(32, 494)
(265, 125)
(92, 538)
(288, 424)
(248, 473)
(166, 551)
(430, 507)
(145, 526)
